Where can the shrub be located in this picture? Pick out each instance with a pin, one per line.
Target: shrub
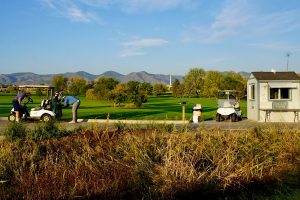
(15, 130)
(153, 164)
(47, 130)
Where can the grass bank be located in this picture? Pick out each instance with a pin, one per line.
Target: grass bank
(160, 162)
(157, 108)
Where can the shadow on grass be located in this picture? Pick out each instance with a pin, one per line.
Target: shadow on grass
(122, 115)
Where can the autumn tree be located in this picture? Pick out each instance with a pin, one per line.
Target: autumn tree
(60, 82)
(77, 86)
(212, 83)
(159, 89)
(177, 88)
(234, 81)
(104, 86)
(11, 89)
(118, 95)
(193, 82)
(147, 87)
(90, 94)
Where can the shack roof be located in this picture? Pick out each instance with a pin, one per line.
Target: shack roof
(276, 76)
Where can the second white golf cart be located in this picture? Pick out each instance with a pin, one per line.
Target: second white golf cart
(44, 111)
(228, 106)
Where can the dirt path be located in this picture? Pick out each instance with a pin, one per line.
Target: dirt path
(225, 125)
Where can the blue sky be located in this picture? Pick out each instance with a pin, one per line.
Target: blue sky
(157, 36)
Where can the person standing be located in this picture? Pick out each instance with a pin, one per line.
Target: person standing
(17, 104)
(56, 108)
(75, 102)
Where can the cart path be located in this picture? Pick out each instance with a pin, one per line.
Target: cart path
(243, 125)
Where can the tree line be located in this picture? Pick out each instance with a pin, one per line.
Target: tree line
(196, 83)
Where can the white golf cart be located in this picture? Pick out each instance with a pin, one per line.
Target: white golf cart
(43, 112)
(228, 106)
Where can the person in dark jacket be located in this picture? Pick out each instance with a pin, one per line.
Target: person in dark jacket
(17, 104)
(75, 102)
(56, 108)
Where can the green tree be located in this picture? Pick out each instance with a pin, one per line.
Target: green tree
(77, 86)
(11, 89)
(39, 92)
(60, 82)
(234, 81)
(104, 86)
(135, 94)
(119, 94)
(177, 88)
(193, 82)
(212, 83)
(159, 89)
(147, 87)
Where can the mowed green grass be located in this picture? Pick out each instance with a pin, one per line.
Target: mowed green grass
(157, 108)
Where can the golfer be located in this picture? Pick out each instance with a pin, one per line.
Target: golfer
(17, 104)
(75, 102)
(56, 108)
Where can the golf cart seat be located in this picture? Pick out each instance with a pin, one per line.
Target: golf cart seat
(37, 108)
(46, 103)
(227, 104)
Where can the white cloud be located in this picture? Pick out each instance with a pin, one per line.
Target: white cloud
(232, 17)
(75, 14)
(240, 19)
(71, 10)
(130, 6)
(155, 5)
(147, 42)
(137, 47)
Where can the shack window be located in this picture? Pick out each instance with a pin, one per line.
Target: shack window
(279, 93)
(285, 93)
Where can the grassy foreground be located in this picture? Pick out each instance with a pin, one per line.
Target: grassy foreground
(160, 162)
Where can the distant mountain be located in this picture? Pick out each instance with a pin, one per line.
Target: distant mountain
(31, 78)
(150, 78)
(24, 78)
(112, 74)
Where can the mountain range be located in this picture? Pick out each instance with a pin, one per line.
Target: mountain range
(32, 78)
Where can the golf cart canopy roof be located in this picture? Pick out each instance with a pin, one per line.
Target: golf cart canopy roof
(36, 86)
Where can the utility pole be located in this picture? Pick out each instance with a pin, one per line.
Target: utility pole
(287, 61)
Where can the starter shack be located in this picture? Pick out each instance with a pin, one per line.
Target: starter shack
(273, 96)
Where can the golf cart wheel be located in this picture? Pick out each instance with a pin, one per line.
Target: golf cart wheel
(240, 118)
(12, 117)
(233, 117)
(218, 117)
(46, 118)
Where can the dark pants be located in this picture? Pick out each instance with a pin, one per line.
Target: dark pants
(16, 105)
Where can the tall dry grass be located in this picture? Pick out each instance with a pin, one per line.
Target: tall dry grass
(152, 163)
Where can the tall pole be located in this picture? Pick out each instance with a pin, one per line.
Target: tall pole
(287, 61)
